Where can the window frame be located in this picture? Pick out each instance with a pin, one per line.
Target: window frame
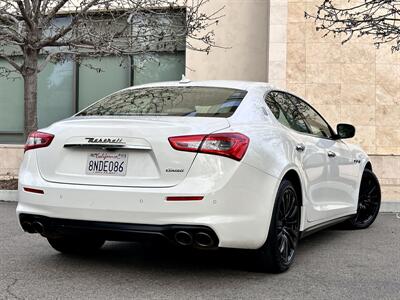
(333, 133)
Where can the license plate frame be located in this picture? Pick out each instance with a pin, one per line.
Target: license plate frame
(106, 164)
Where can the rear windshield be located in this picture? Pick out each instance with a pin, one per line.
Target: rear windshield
(169, 101)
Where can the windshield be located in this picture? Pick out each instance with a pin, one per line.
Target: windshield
(169, 101)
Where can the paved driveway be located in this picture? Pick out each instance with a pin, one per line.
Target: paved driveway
(332, 264)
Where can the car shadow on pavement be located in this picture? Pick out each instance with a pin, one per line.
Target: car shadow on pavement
(164, 257)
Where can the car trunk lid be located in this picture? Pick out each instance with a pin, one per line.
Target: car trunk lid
(140, 142)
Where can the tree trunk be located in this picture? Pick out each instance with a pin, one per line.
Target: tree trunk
(30, 75)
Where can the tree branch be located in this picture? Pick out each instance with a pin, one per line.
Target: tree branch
(54, 11)
(24, 14)
(11, 62)
(68, 28)
(379, 19)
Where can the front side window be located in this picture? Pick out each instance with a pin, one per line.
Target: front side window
(285, 111)
(318, 126)
(169, 101)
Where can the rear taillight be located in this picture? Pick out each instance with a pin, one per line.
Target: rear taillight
(232, 145)
(38, 139)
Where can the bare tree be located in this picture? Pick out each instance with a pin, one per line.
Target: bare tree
(379, 19)
(95, 28)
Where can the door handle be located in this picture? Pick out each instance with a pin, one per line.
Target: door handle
(331, 154)
(300, 147)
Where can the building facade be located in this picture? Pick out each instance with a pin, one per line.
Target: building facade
(261, 40)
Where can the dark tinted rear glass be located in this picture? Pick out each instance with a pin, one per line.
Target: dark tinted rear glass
(169, 101)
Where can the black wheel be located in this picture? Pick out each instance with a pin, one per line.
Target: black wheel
(75, 245)
(369, 202)
(278, 252)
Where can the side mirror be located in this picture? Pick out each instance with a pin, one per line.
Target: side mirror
(345, 131)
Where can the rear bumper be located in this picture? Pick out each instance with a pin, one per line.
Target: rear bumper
(237, 207)
(200, 237)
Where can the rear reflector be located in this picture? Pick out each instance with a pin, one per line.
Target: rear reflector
(185, 198)
(231, 144)
(38, 139)
(36, 191)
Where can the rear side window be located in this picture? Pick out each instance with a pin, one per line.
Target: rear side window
(169, 101)
(285, 111)
(315, 122)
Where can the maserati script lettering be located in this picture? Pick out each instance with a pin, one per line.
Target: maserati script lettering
(105, 140)
(174, 170)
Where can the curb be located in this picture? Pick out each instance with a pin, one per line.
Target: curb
(8, 195)
(386, 207)
(390, 207)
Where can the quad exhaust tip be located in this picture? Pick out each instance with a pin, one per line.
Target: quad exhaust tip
(203, 240)
(183, 238)
(27, 226)
(199, 239)
(38, 227)
(33, 227)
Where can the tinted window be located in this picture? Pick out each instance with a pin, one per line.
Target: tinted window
(285, 111)
(315, 122)
(169, 101)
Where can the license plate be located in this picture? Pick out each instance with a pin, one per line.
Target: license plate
(113, 164)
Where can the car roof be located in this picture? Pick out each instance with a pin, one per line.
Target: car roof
(233, 84)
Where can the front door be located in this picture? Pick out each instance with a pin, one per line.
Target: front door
(337, 196)
(343, 176)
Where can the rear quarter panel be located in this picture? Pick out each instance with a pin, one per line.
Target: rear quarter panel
(270, 149)
(363, 159)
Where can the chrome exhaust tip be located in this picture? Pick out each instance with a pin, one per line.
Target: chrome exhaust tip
(183, 238)
(38, 227)
(27, 226)
(203, 240)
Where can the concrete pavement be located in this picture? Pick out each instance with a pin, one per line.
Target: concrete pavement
(332, 264)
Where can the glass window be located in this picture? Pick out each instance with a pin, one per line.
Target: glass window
(55, 93)
(285, 111)
(11, 104)
(159, 32)
(99, 77)
(170, 101)
(158, 67)
(55, 25)
(315, 122)
(277, 111)
(11, 100)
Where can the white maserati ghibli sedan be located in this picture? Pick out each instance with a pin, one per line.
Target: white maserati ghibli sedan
(199, 164)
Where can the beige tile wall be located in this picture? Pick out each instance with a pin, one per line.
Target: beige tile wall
(278, 42)
(354, 83)
(242, 33)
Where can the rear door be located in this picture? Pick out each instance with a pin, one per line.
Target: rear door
(309, 153)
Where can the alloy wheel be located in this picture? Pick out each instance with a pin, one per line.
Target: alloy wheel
(369, 200)
(288, 224)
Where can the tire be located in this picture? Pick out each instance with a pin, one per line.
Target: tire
(75, 245)
(369, 202)
(278, 252)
